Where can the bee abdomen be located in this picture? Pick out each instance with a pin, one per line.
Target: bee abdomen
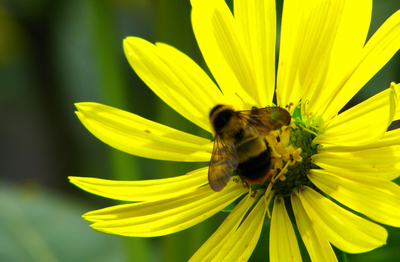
(255, 167)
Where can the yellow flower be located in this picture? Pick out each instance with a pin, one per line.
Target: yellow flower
(323, 155)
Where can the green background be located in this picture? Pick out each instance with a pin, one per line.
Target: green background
(56, 53)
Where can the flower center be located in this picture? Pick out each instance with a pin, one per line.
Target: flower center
(291, 151)
(300, 150)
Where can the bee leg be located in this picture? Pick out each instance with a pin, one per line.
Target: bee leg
(247, 184)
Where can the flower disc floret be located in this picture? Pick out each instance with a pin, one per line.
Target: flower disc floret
(296, 174)
(291, 151)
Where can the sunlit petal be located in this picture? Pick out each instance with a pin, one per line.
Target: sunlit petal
(377, 52)
(345, 230)
(213, 245)
(242, 243)
(223, 50)
(374, 197)
(143, 190)
(257, 22)
(175, 78)
(307, 37)
(364, 123)
(317, 245)
(396, 87)
(348, 44)
(351, 35)
(389, 139)
(377, 162)
(165, 216)
(138, 136)
(283, 243)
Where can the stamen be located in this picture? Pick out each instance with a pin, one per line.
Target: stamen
(240, 98)
(289, 106)
(283, 171)
(316, 128)
(267, 200)
(303, 105)
(268, 189)
(308, 130)
(309, 117)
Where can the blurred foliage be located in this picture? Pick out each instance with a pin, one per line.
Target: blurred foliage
(38, 224)
(56, 53)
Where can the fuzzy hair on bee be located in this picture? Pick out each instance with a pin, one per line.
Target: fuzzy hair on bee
(239, 144)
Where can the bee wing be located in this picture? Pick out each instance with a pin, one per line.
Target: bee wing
(261, 121)
(224, 161)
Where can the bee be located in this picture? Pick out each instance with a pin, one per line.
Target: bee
(239, 144)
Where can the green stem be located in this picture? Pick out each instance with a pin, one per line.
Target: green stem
(342, 256)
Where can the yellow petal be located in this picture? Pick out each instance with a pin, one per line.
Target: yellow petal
(397, 113)
(380, 162)
(351, 35)
(241, 244)
(293, 11)
(307, 36)
(348, 44)
(389, 139)
(317, 245)
(257, 22)
(223, 50)
(175, 78)
(138, 136)
(213, 245)
(166, 216)
(282, 239)
(364, 123)
(143, 190)
(345, 230)
(374, 197)
(377, 52)
(232, 48)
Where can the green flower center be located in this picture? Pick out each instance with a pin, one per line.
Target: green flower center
(297, 173)
(291, 152)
